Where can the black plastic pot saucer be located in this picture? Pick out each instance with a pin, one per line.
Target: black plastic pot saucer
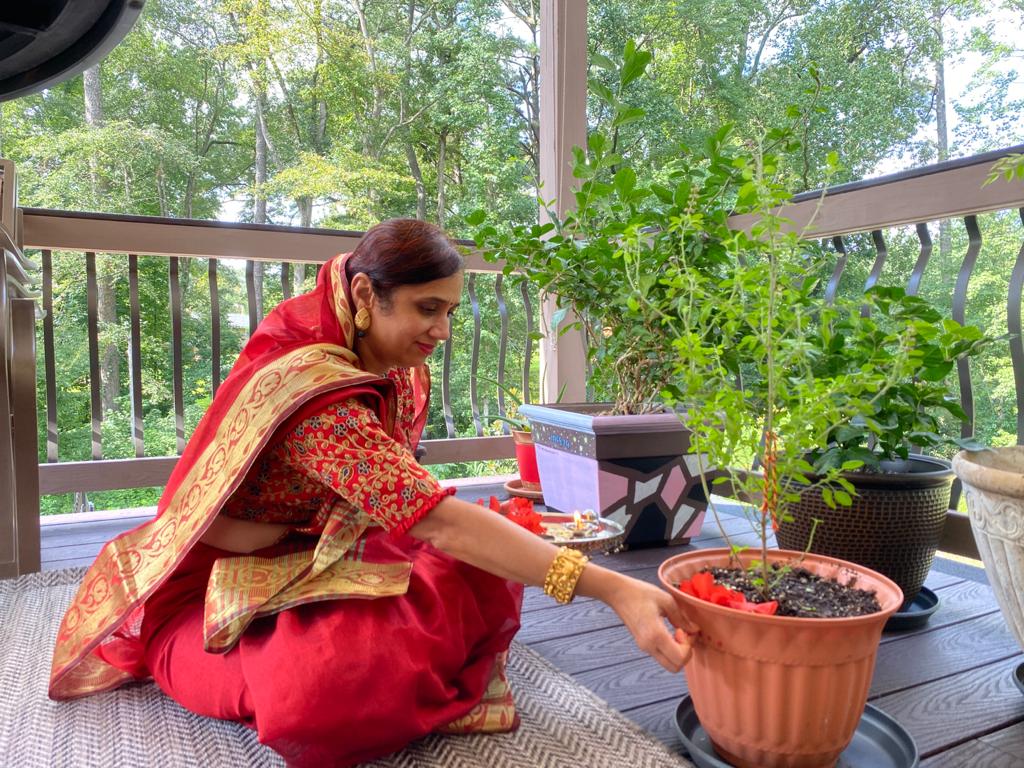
(879, 742)
(916, 614)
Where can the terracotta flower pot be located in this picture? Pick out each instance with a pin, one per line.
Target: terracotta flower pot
(526, 458)
(994, 486)
(778, 691)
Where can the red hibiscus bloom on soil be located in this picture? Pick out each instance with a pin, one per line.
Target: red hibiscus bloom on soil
(702, 586)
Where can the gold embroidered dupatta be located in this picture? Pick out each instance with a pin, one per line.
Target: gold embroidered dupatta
(301, 352)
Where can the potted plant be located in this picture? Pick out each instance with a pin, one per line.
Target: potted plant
(522, 438)
(893, 501)
(776, 678)
(625, 457)
(993, 481)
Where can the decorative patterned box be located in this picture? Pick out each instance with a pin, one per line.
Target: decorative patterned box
(636, 470)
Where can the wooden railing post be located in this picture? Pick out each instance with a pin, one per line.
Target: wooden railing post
(24, 435)
(19, 476)
(563, 124)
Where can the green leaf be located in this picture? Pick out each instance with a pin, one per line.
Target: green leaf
(477, 217)
(625, 180)
(634, 66)
(664, 193)
(627, 115)
(601, 90)
(602, 61)
(558, 316)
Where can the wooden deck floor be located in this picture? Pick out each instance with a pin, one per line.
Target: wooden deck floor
(950, 683)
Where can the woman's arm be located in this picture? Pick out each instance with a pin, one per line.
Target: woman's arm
(487, 540)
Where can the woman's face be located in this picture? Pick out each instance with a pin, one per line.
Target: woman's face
(405, 331)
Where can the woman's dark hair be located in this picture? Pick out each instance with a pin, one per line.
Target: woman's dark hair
(403, 252)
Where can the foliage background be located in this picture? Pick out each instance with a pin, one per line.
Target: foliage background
(341, 113)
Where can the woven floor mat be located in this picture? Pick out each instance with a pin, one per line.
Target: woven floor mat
(563, 724)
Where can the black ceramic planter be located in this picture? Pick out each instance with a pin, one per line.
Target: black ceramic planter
(893, 526)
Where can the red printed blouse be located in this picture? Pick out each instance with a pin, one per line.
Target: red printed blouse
(342, 451)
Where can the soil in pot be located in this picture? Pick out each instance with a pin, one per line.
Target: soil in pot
(801, 593)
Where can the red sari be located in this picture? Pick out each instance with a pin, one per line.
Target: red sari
(347, 639)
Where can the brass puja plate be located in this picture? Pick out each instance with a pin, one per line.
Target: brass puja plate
(602, 535)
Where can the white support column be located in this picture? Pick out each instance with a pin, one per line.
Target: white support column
(563, 124)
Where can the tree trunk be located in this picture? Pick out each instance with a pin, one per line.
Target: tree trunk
(442, 151)
(106, 273)
(417, 175)
(305, 205)
(941, 122)
(378, 97)
(259, 212)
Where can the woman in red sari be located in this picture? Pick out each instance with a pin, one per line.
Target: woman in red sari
(304, 575)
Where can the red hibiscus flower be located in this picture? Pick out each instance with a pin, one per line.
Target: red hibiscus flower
(519, 510)
(702, 586)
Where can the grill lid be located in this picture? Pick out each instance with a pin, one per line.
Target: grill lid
(43, 42)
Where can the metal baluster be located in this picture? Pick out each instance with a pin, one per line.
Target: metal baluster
(49, 360)
(475, 359)
(502, 348)
(876, 270)
(528, 354)
(214, 327)
(963, 368)
(250, 293)
(914, 284)
(135, 355)
(1013, 326)
(446, 389)
(94, 355)
(176, 366)
(837, 272)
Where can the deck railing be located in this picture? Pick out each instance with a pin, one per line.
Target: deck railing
(135, 238)
(871, 224)
(882, 230)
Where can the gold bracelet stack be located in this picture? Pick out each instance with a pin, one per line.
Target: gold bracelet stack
(565, 571)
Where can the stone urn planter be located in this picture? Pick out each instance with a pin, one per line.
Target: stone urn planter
(993, 483)
(635, 470)
(779, 691)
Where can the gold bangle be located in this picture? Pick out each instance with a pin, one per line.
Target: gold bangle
(564, 572)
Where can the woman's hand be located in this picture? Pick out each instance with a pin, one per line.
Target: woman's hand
(487, 540)
(644, 608)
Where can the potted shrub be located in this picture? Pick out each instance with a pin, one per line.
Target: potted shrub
(775, 679)
(626, 458)
(894, 504)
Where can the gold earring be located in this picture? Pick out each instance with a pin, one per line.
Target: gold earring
(362, 321)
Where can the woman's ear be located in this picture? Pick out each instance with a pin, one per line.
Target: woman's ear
(362, 291)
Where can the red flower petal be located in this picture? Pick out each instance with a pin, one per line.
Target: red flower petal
(703, 583)
(702, 586)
